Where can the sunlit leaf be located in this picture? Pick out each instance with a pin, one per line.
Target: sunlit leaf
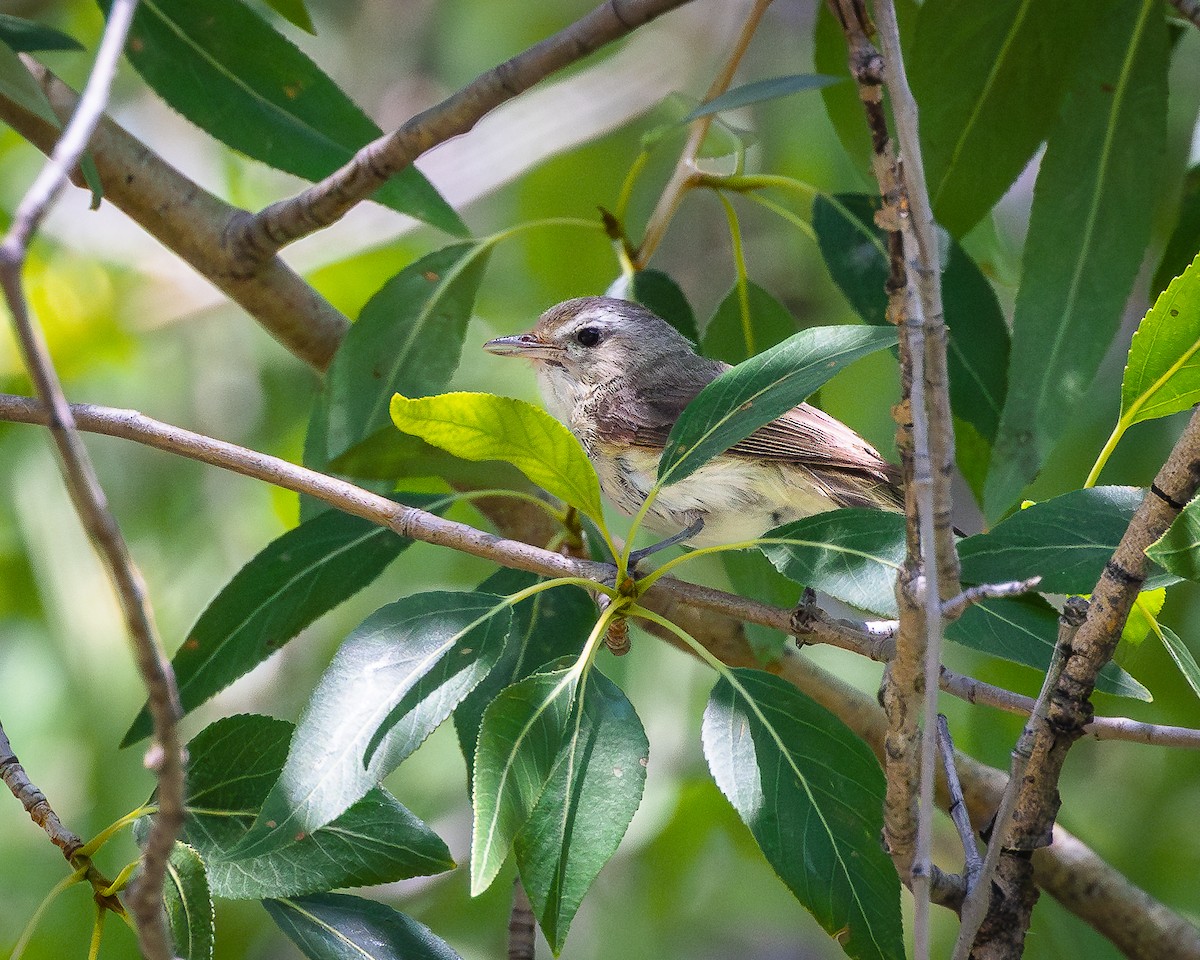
(1162, 375)
(1089, 227)
(237, 78)
(658, 293)
(407, 339)
(188, 903)
(1143, 615)
(1184, 659)
(26, 36)
(851, 554)
(811, 793)
(1024, 630)
(589, 799)
(545, 628)
(391, 683)
(333, 926)
(762, 388)
(990, 80)
(734, 335)
(519, 740)
(855, 252)
(482, 426)
(1066, 541)
(294, 12)
(232, 766)
(296, 579)
(760, 91)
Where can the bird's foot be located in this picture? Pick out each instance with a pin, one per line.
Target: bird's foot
(639, 555)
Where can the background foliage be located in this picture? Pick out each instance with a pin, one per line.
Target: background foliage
(130, 327)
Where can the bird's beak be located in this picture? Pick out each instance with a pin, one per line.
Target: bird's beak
(527, 345)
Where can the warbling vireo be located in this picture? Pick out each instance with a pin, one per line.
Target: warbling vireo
(618, 376)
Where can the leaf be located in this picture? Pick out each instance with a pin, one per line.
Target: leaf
(990, 80)
(17, 85)
(1143, 615)
(734, 336)
(1024, 630)
(388, 454)
(1162, 375)
(751, 574)
(762, 388)
(760, 91)
(1183, 657)
(855, 251)
(669, 135)
(1185, 238)
(482, 426)
(545, 628)
(812, 794)
(850, 554)
(188, 903)
(1066, 541)
(658, 293)
(293, 581)
(333, 926)
(519, 741)
(25, 36)
(1178, 550)
(1089, 227)
(237, 78)
(295, 13)
(408, 338)
(233, 765)
(392, 682)
(589, 799)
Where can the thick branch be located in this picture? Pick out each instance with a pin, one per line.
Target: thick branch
(192, 223)
(261, 236)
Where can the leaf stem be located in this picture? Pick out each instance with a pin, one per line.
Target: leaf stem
(514, 598)
(122, 880)
(1105, 452)
(92, 847)
(27, 934)
(739, 261)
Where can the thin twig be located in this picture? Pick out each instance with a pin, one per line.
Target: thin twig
(973, 863)
(975, 907)
(145, 895)
(33, 800)
(685, 176)
(257, 238)
(1190, 9)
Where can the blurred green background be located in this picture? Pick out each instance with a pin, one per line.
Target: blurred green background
(129, 327)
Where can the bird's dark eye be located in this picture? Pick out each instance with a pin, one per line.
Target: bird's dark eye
(588, 336)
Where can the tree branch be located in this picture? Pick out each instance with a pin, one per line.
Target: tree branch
(166, 756)
(259, 237)
(1190, 9)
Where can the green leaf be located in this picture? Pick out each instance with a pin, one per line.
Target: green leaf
(733, 336)
(1178, 550)
(408, 338)
(545, 628)
(519, 741)
(1024, 630)
(1066, 541)
(388, 454)
(17, 85)
(296, 579)
(295, 13)
(850, 554)
(392, 682)
(237, 78)
(658, 293)
(1184, 659)
(812, 794)
(762, 388)
(189, 904)
(1162, 375)
(760, 91)
(990, 79)
(1185, 238)
(589, 799)
(752, 575)
(1143, 615)
(855, 251)
(482, 426)
(1088, 231)
(233, 765)
(25, 36)
(333, 926)
(669, 135)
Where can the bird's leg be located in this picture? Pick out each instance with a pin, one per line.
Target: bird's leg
(639, 555)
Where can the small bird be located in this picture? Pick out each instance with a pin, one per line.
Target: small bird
(618, 376)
